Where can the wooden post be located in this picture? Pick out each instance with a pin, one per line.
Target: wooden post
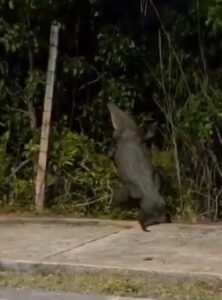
(46, 119)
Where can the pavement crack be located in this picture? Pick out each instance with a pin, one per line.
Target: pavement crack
(79, 246)
(56, 253)
(96, 239)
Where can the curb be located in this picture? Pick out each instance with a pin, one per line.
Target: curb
(37, 267)
(46, 295)
(67, 221)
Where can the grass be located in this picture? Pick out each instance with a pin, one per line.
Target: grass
(112, 285)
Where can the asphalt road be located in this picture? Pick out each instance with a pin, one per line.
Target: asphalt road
(16, 294)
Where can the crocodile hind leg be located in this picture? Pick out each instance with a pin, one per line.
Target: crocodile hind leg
(142, 221)
(145, 220)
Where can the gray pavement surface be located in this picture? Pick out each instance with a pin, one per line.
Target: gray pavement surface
(178, 250)
(16, 294)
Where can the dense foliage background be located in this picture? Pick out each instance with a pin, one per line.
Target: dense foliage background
(159, 59)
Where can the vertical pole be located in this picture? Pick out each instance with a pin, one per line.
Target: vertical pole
(46, 119)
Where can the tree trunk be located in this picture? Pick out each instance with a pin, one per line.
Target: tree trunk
(46, 118)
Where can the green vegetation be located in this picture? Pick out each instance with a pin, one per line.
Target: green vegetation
(113, 285)
(149, 58)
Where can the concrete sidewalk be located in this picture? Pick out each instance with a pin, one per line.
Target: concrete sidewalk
(69, 245)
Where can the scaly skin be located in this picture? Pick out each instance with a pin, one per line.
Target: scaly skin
(135, 169)
(136, 172)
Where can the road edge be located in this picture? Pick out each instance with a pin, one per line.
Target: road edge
(46, 268)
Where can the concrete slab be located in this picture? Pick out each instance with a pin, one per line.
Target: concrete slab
(42, 241)
(167, 250)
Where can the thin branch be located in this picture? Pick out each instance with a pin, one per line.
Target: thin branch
(214, 159)
(92, 82)
(171, 45)
(20, 166)
(218, 135)
(201, 47)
